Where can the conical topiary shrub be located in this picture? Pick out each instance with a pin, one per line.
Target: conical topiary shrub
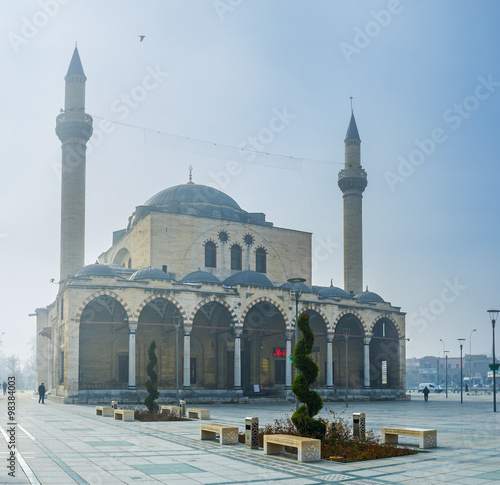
(308, 372)
(152, 382)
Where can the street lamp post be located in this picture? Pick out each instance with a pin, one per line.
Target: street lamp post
(445, 353)
(346, 335)
(461, 342)
(470, 359)
(446, 370)
(177, 319)
(296, 292)
(494, 366)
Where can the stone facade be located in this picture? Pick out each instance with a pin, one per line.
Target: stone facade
(208, 282)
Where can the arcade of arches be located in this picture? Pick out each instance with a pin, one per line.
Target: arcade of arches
(214, 351)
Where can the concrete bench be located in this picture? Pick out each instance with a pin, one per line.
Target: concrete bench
(198, 413)
(228, 435)
(427, 437)
(308, 449)
(104, 411)
(124, 414)
(174, 410)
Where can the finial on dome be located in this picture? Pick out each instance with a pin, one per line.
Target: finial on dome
(366, 287)
(190, 175)
(351, 105)
(331, 282)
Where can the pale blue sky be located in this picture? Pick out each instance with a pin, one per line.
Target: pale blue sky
(228, 70)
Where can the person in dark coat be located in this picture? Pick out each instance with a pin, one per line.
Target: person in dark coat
(41, 393)
(426, 394)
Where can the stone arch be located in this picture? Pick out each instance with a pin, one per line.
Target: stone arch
(217, 299)
(165, 297)
(122, 257)
(99, 293)
(380, 317)
(272, 302)
(349, 312)
(317, 309)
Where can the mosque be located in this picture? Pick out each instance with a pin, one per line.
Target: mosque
(218, 288)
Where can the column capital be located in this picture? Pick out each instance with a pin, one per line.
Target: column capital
(367, 340)
(288, 335)
(238, 332)
(187, 330)
(132, 327)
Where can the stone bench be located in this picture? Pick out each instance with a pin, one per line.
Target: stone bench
(124, 414)
(427, 437)
(308, 449)
(228, 435)
(104, 411)
(198, 413)
(174, 410)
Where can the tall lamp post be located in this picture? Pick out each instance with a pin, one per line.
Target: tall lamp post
(446, 371)
(494, 366)
(346, 335)
(445, 353)
(461, 342)
(470, 359)
(296, 290)
(177, 320)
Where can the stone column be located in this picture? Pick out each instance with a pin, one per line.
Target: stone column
(367, 362)
(186, 382)
(288, 364)
(329, 362)
(237, 360)
(132, 327)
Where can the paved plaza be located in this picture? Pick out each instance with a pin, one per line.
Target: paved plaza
(66, 444)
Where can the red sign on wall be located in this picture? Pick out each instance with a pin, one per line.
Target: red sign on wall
(279, 352)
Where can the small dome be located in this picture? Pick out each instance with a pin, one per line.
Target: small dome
(368, 297)
(303, 289)
(200, 277)
(150, 273)
(333, 292)
(96, 270)
(250, 278)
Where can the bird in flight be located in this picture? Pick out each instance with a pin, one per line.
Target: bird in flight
(141, 37)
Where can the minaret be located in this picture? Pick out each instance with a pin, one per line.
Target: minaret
(352, 183)
(74, 128)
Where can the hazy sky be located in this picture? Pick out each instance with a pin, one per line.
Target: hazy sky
(425, 78)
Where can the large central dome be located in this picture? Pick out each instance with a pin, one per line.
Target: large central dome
(191, 193)
(197, 200)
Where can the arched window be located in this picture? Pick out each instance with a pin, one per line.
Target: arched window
(236, 257)
(210, 255)
(260, 260)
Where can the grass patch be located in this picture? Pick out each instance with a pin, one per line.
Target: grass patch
(338, 441)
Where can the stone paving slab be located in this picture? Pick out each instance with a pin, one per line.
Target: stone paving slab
(68, 444)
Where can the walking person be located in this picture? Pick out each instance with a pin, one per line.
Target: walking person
(426, 393)
(4, 387)
(41, 393)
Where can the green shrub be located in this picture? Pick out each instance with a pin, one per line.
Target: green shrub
(152, 382)
(308, 372)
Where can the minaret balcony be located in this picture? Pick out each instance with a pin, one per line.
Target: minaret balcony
(352, 179)
(74, 124)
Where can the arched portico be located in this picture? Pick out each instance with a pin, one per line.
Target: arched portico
(385, 351)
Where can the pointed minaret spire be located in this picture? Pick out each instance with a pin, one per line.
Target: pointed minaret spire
(190, 175)
(74, 128)
(352, 183)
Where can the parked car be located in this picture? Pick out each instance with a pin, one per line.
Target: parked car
(431, 386)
